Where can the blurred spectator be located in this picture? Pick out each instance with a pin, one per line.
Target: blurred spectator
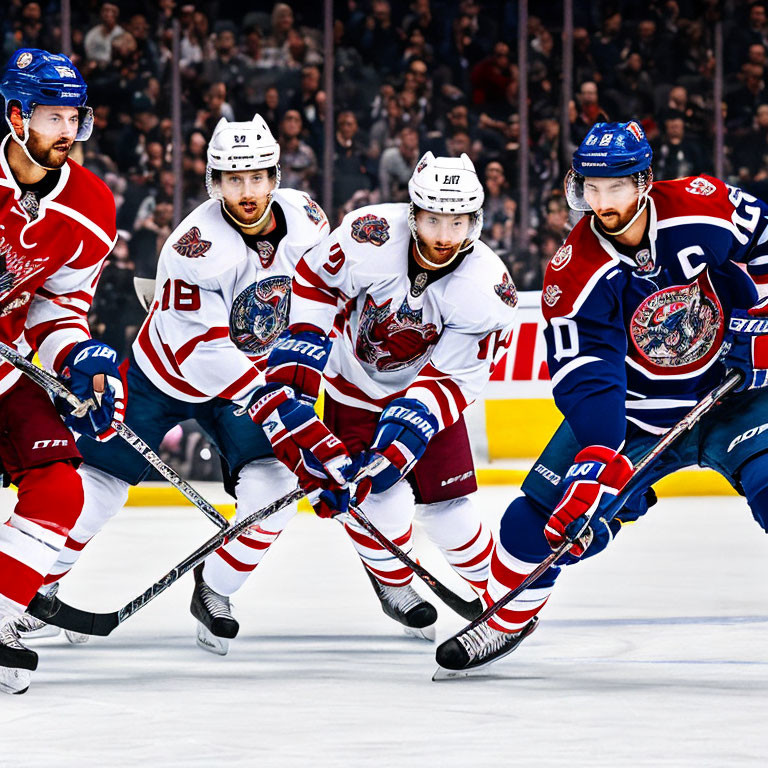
(491, 76)
(676, 156)
(98, 40)
(384, 132)
(380, 42)
(227, 65)
(150, 235)
(298, 162)
(349, 166)
(496, 196)
(396, 166)
(116, 313)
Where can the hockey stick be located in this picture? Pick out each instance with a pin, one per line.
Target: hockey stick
(54, 387)
(614, 506)
(66, 616)
(467, 609)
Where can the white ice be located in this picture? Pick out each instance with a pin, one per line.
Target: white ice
(652, 654)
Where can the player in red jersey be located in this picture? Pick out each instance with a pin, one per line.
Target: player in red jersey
(57, 226)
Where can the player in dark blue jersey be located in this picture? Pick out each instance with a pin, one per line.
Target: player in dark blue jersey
(650, 301)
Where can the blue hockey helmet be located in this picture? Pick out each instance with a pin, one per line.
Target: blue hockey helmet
(611, 150)
(33, 76)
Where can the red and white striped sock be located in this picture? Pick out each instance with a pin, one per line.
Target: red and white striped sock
(456, 529)
(507, 572)
(260, 483)
(391, 512)
(103, 497)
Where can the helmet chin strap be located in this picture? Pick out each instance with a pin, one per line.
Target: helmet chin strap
(432, 264)
(256, 224)
(23, 145)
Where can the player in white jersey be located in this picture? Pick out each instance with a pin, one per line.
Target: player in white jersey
(221, 300)
(424, 310)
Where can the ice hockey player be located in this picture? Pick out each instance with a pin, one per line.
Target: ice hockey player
(57, 225)
(425, 309)
(221, 301)
(647, 306)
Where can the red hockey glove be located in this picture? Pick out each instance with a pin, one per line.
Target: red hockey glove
(301, 441)
(597, 471)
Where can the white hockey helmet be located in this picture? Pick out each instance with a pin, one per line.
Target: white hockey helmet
(447, 185)
(241, 146)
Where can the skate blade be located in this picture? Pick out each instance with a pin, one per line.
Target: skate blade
(76, 638)
(15, 681)
(441, 673)
(421, 633)
(49, 630)
(209, 642)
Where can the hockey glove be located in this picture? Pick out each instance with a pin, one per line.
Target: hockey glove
(404, 430)
(597, 474)
(748, 351)
(297, 360)
(301, 441)
(85, 361)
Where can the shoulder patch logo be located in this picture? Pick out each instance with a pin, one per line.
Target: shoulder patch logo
(561, 258)
(551, 295)
(313, 210)
(24, 60)
(370, 229)
(700, 186)
(505, 290)
(191, 244)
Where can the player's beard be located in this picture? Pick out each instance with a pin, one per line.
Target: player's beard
(49, 156)
(615, 222)
(247, 212)
(442, 256)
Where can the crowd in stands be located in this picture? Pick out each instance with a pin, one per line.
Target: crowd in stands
(409, 76)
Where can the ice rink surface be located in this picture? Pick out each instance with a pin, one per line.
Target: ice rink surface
(653, 654)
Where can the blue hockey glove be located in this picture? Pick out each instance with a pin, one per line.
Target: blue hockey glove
(297, 360)
(746, 348)
(405, 428)
(84, 361)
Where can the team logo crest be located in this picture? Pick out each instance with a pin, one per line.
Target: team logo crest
(191, 244)
(551, 295)
(644, 262)
(700, 186)
(419, 284)
(24, 60)
(505, 290)
(561, 258)
(266, 252)
(391, 341)
(313, 210)
(260, 314)
(370, 229)
(678, 327)
(635, 130)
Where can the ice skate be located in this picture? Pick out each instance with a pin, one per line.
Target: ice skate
(476, 649)
(30, 627)
(216, 624)
(17, 662)
(406, 606)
